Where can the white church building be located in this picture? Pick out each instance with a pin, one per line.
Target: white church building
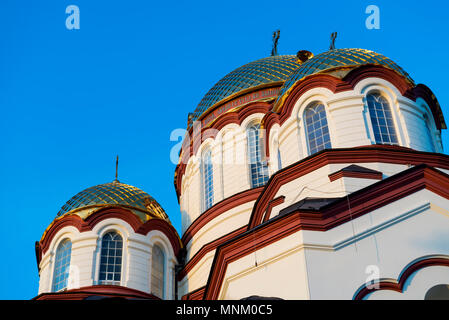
(301, 177)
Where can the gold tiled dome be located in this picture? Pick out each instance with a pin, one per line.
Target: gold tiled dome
(114, 193)
(253, 74)
(338, 58)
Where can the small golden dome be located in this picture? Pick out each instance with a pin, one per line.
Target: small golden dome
(114, 193)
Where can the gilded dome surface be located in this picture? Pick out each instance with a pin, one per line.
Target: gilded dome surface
(259, 72)
(114, 193)
(336, 58)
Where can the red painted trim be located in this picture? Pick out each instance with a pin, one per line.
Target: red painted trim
(422, 91)
(197, 294)
(190, 147)
(355, 205)
(398, 285)
(273, 203)
(108, 213)
(219, 208)
(107, 291)
(361, 175)
(206, 249)
(374, 153)
(72, 220)
(335, 85)
(165, 228)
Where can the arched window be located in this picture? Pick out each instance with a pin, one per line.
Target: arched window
(208, 180)
(157, 272)
(279, 160)
(429, 139)
(258, 168)
(381, 119)
(317, 131)
(111, 258)
(438, 292)
(62, 265)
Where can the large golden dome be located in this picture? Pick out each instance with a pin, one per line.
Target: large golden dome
(260, 72)
(340, 58)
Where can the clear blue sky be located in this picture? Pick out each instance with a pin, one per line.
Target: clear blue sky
(73, 99)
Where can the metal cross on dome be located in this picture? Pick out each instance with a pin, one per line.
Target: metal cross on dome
(276, 34)
(333, 37)
(116, 170)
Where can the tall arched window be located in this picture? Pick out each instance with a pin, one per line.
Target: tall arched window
(157, 271)
(62, 265)
(208, 180)
(111, 258)
(317, 131)
(279, 160)
(429, 138)
(258, 168)
(381, 119)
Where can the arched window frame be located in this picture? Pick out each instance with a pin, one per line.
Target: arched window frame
(369, 120)
(162, 294)
(99, 257)
(156, 237)
(207, 179)
(255, 178)
(308, 147)
(61, 284)
(429, 132)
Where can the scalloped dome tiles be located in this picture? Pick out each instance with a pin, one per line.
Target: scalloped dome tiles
(114, 193)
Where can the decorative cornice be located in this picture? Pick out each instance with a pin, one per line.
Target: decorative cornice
(339, 212)
(273, 203)
(320, 80)
(191, 146)
(398, 284)
(101, 291)
(108, 213)
(217, 209)
(355, 173)
(206, 249)
(365, 154)
(336, 85)
(197, 294)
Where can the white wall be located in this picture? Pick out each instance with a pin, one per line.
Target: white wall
(333, 264)
(349, 125)
(85, 257)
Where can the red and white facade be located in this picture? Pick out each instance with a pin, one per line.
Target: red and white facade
(387, 206)
(357, 219)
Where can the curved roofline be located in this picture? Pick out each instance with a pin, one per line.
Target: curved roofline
(237, 95)
(113, 194)
(281, 99)
(267, 70)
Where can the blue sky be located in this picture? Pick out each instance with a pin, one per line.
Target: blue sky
(72, 100)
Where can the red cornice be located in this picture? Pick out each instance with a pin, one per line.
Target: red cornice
(219, 208)
(398, 285)
(197, 294)
(237, 116)
(341, 211)
(206, 249)
(374, 153)
(320, 80)
(165, 228)
(107, 213)
(106, 291)
(337, 85)
(361, 175)
(273, 203)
